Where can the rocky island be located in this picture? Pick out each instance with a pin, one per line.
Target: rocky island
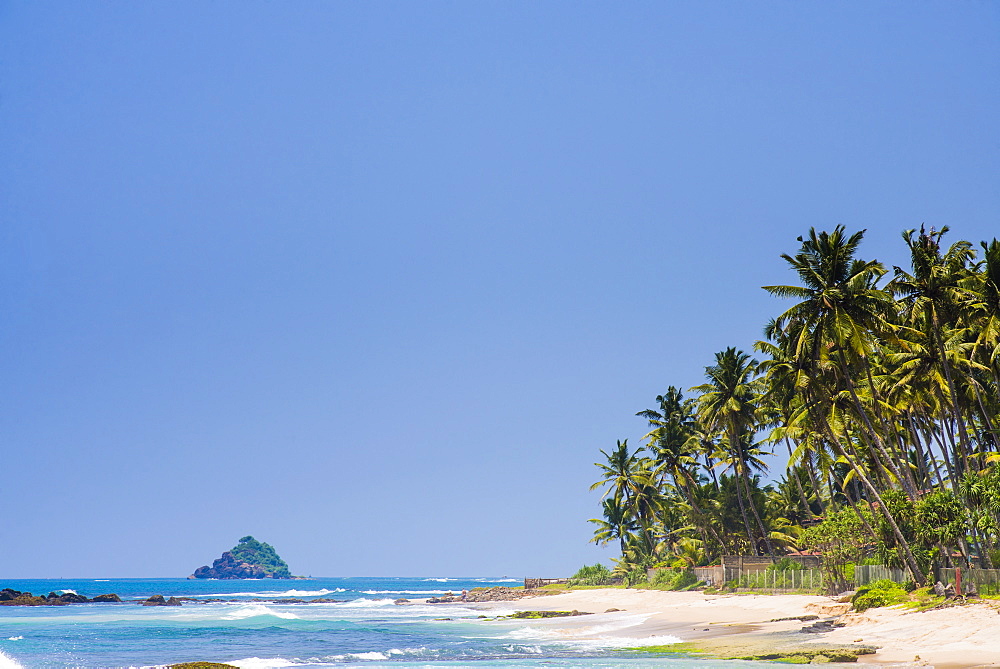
(248, 559)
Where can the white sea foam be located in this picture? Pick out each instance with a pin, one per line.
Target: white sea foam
(631, 642)
(524, 649)
(594, 636)
(423, 650)
(254, 610)
(276, 593)
(441, 580)
(15, 638)
(373, 655)
(403, 592)
(262, 663)
(7, 662)
(102, 580)
(367, 602)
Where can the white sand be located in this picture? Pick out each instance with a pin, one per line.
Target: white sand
(961, 636)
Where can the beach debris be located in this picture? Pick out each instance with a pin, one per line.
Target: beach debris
(805, 618)
(612, 610)
(939, 589)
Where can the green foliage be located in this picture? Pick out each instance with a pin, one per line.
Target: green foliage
(673, 579)
(884, 392)
(940, 519)
(261, 554)
(786, 564)
(596, 574)
(536, 615)
(878, 593)
(840, 540)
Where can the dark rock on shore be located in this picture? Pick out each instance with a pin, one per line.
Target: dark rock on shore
(158, 600)
(9, 597)
(497, 594)
(110, 597)
(68, 598)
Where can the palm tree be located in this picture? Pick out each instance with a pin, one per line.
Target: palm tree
(675, 443)
(932, 298)
(617, 523)
(630, 483)
(728, 401)
(840, 312)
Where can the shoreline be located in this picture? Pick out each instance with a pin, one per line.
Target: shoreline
(743, 625)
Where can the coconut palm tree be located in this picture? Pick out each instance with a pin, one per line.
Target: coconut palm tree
(728, 401)
(840, 315)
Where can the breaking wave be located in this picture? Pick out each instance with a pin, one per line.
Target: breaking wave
(275, 593)
(403, 592)
(254, 610)
(7, 662)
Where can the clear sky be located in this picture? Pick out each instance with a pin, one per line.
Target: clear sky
(374, 281)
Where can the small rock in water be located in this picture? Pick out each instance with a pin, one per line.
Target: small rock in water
(110, 597)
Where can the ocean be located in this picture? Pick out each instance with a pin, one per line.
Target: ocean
(366, 629)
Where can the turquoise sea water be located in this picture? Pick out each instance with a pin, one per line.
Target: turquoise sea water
(366, 629)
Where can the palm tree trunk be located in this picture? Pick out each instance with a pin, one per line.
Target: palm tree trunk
(872, 432)
(908, 558)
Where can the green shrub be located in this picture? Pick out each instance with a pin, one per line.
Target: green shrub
(786, 564)
(635, 577)
(664, 578)
(882, 592)
(876, 598)
(596, 574)
(684, 580)
(673, 579)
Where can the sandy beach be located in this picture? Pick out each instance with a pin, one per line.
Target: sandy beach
(949, 638)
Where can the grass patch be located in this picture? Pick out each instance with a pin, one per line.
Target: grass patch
(535, 615)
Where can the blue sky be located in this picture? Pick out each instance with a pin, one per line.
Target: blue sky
(375, 281)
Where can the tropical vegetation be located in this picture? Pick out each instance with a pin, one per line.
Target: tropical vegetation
(876, 386)
(261, 554)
